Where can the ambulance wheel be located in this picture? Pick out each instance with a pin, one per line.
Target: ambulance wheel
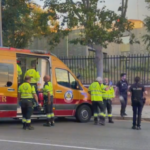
(84, 113)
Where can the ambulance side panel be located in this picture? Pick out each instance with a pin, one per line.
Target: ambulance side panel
(8, 84)
(67, 97)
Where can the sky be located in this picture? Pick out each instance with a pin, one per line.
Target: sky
(136, 8)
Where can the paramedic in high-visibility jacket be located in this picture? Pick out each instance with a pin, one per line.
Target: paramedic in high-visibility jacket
(96, 89)
(26, 93)
(107, 97)
(48, 101)
(35, 77)
(19, 71)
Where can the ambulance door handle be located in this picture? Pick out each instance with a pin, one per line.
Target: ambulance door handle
(11, 90)
(58, 91)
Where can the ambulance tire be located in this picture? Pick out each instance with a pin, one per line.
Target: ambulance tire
(84, 113)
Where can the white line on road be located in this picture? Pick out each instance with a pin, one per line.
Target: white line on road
(53, 145)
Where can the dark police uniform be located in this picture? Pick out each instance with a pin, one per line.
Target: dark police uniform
(123, 89)
(48, 87)
(137, 102)
(26, 91)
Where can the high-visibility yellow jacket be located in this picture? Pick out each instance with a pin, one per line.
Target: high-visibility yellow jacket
(35, 77)
(48, 87)
(109, 94)
(19, 71)
(26, 90)
(96, 90)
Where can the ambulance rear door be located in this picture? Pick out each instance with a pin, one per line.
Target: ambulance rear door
(8, 85)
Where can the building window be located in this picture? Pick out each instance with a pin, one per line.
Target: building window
(6, 74)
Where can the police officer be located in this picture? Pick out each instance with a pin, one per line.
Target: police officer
(35, 77)
(96, 89)
(136, 90)
(122, 86)
(26, 93)
(107, 96)
(48, 101)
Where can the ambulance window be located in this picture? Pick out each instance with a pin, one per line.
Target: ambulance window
(6, 74)
(62, 77)
(73, 82)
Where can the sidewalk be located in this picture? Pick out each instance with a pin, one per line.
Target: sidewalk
(116, 112)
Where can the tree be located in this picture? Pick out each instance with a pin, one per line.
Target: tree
(100, 26)
(146, 37)
(23, 20)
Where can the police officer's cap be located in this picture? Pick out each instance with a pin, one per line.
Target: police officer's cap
(122, 74)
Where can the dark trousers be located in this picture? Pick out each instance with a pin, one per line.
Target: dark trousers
(48, 107)
(137, 111)
(26, 107)
(98, 105)
(108, 106)
(123, 105)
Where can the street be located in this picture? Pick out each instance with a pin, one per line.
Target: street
(69, 134)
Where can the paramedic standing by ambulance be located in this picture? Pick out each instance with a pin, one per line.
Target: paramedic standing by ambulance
(107, 96)
(95, 90)
(48, 101)
(26, 93)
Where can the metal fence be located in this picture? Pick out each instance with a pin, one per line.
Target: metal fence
(133, 65)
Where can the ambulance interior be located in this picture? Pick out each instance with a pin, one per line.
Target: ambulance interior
(42, 66)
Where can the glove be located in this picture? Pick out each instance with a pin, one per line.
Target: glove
(110, 83)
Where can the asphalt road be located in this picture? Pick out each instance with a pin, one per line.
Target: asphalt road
(70, 135)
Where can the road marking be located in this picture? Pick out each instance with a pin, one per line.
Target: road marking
(53, 145)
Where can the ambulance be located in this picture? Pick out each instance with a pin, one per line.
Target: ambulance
(71, 98)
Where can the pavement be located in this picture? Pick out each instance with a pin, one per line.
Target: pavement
(71, 135)
(145, 112)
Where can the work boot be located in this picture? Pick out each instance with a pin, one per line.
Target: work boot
(139, 128)
(125, 114)
(29, 127)
(110, 120)
(24, 126)
(52, 122)
(102, 121)
(133, 127)
(47, 124)
(95, 121)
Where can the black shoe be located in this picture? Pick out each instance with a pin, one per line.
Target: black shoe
(134, 127)
(95, 121)
(138, 128)
(47, 124)
(24, 126)
(125, 114)
(29, 127)
(110, 120)
(102, 121)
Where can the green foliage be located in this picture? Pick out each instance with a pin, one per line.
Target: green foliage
(146, 37)
(22, 21)
(100, 26)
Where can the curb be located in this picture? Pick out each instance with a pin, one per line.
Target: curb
(129, 118)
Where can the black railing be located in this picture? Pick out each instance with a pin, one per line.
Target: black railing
(133, 65)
